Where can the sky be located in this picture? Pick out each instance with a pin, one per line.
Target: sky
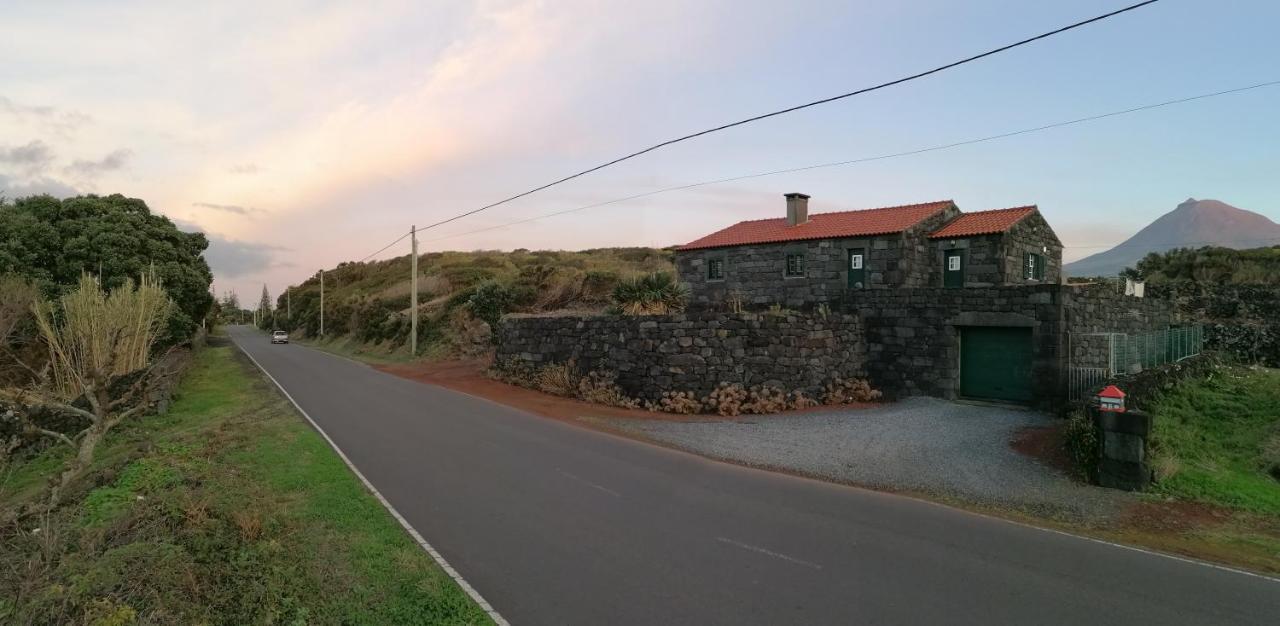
(298, 135)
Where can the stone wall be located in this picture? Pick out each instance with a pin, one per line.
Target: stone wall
(983, 263)
(913, 335)
(691, 352)
(1239, 320)
(904, 341)
(1091, 311)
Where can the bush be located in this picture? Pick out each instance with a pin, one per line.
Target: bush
(490, 301)
(652, 294)
(840, 391)
(1080, 438)
(602, 388)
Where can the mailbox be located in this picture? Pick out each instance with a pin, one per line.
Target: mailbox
(1111, 399)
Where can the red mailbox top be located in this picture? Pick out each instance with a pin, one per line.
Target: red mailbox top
(1111, 391)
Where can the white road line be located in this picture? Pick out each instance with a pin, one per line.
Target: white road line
(776, 555)
(439, 559)
(590, 484)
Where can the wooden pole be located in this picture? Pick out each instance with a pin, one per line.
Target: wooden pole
(321, 303)
(413, 291)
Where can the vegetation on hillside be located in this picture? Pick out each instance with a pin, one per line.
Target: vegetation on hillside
(1217, 440)
(228, 509)
(1210, 266)
(51, 243)
(370, 301)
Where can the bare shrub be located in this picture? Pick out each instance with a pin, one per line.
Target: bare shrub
(726, 399)
(848, 391)
(765, 399)
(601, 387)
(679, 402)
(557, 379)
(800, 401)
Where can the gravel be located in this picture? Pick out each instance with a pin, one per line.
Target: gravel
(921, 445)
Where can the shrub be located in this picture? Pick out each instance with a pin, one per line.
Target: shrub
(1080, 438)
(489, 301)
(557, 379)
(679, 402)
(726, 399)
(652, 294)
(602, 388)
(840, 391)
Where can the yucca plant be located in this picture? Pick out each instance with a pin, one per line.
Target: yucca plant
(651, 294)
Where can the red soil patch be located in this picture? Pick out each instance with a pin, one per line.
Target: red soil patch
(1174, 516)
(469, 376)
(1045, 444)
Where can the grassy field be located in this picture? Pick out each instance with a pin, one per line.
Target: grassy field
(229, 509)
(1217, 440)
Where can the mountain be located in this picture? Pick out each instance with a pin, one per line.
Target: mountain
(1193, 224)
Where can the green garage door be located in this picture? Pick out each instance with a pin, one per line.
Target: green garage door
(995, 363)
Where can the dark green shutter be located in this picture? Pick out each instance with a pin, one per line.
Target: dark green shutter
(953, 268)
(857, 275)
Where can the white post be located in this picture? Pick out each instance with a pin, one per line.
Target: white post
(413, 291)
(321, 303)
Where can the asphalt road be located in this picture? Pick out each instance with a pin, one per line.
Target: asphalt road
(556, 524)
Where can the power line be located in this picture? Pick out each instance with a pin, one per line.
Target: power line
(881, 157)
(383, 248)
(792, 109)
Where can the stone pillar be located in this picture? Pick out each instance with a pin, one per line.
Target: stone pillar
(1123, 438)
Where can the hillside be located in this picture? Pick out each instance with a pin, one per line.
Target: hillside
(369, 302)
(1194, 223)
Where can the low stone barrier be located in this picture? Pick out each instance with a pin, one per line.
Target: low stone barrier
(1123, 438)
(691, 352)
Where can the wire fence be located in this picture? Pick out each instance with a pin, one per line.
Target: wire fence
(1098, 357)
(1134, 353)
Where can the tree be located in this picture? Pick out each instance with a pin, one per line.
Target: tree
(95, 338)
(52, 242)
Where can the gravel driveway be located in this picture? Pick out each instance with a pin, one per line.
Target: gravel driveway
(922, 445)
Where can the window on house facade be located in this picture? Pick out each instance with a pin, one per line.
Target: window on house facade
(715, 269)
(1033, 266)
(795, 265)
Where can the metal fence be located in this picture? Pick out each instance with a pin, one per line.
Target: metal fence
(1093, 358)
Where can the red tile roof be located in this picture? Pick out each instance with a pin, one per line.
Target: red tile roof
(983, 222)
(862, 223)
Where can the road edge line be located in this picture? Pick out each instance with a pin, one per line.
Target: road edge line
(413, 533)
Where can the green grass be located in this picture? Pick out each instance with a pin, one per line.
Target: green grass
(227, 510)
(1217, 440)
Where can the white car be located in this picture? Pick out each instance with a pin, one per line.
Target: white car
(279, 336)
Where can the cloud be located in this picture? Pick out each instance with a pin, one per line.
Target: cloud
(52, 118)
(34, 187)
(244, 168)
(32, 158)
(228, 208)
(231, 258)
(114, 160)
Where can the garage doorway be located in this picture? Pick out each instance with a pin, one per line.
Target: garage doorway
(995, 363)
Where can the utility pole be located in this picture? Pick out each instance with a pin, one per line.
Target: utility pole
(321, 303)
(413, 292)
(288, 302)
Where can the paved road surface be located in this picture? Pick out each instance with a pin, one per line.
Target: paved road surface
(555, 524)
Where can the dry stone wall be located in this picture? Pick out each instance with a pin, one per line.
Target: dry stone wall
(691, 352)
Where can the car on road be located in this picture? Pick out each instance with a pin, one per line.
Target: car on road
(279, 336)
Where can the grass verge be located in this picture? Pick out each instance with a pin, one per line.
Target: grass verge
(228, 509)
(1217, 440)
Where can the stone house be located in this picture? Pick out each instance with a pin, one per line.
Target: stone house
(803, 259)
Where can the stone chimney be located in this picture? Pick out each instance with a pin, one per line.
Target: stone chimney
(797, 208)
